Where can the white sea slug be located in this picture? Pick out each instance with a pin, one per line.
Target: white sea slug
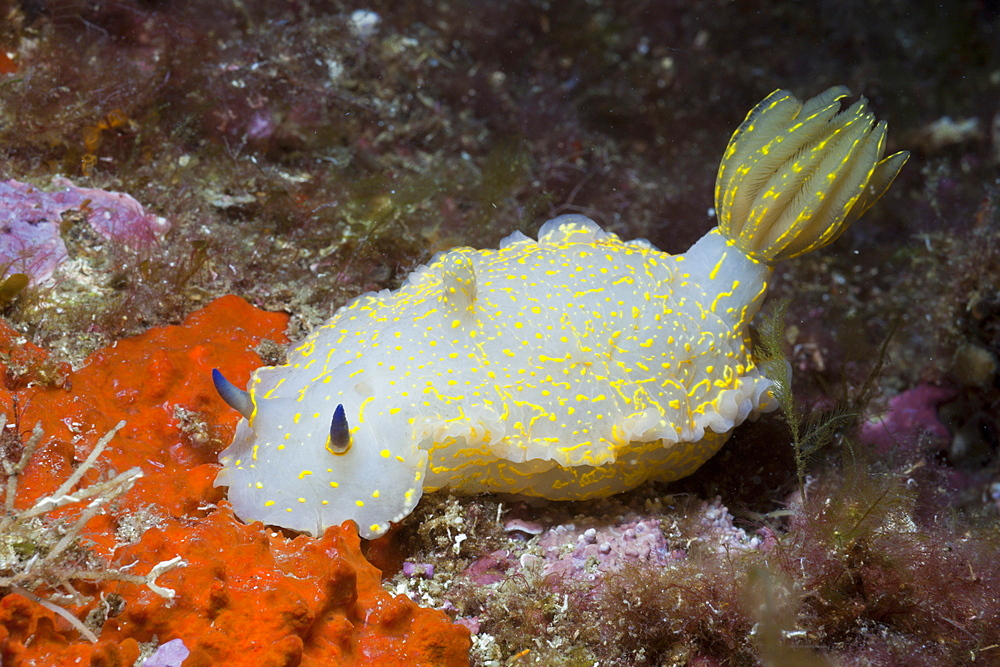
(574, 366)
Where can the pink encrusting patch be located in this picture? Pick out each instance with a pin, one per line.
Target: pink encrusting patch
(30, 224)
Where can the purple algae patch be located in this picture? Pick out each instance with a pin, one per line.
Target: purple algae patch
(30, 218)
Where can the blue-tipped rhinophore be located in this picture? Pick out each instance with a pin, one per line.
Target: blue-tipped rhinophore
(237, 399)
(340, 432)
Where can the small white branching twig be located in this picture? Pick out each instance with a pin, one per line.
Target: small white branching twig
(43, 554)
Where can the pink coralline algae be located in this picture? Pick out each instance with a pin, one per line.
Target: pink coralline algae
(584, 549)
(170, 654)
(30, 218)
(572, 549)
(911, 414)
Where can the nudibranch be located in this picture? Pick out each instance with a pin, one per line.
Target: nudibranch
(575, 366)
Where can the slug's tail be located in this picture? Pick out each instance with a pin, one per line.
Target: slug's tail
(795, 175)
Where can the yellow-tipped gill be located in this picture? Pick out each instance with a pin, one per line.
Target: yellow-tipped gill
(795, 174)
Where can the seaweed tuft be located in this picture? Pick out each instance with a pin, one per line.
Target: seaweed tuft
(810, 433)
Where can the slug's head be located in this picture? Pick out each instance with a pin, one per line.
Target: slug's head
(307, 465)
(795, 175)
